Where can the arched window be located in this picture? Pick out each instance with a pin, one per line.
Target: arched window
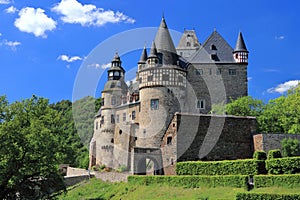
(188, 44)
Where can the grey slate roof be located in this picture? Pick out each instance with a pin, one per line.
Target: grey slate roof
(214, 50)
(153, 51)
(163, 38)
(143, 58)
(240, 43)
(188, 36)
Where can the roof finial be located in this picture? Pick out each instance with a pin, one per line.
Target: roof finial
(163, 15)
(215, 29)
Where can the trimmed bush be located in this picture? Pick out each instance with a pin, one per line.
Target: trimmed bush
(289, 165)
(261, 196)
(274, 154)
(287, 180)
(260, 155)
(239, 181)
(290, 147)
(227, 167)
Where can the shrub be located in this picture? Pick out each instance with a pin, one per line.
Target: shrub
(98, 167)
(290, 147)
(274, 154)
(260, 155)
(289, 165)
(239, 181)
(122, 168)
(286, 180)
(261, 196)
(228, 167)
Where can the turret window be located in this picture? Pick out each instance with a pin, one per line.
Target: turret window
(113, 100)
(133, 115)
(154, 104)
(124, 117)
(188, 44)
(165, 77)
(96, 125)
(117, 118)
(102, 120)
(169, 140)
(150, 78)
(117, 73)
(199, 71)
(213, 47)
(219, 71)
(112, 119)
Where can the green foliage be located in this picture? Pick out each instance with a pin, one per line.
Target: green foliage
(245, 106)
(289, 165)
(227, 167)
(286, 180)
(75, 153)
(30, 150)
(83, 114)
(122, 168)
(260, 155)
(239, 181)
(290, 147)
(218, 109)
(275, 153)
(261, 196)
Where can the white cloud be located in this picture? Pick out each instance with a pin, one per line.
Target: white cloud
(249, 78)
(271, 70)
(11, 10)
(12, 45)
(69, 59)
(0, 34)
(97, 65)
(74, 12)
(281, 37)
(5, 1)
(34, 21)
(284, 87)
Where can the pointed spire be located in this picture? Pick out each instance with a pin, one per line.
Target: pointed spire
(163, 38)
(143, 58)
(116, 57)
(153, 51)
(240, 44)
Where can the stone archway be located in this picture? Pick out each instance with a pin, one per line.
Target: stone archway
(147, 161)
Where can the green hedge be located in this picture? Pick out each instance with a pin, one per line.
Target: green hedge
(274, 154)
(289, 165)
(239, 181)
(260, 155)
(260, 196)
(227, 167)
(287, 180)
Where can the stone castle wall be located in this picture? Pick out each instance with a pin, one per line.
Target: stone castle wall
(270, 141)
(207, 137)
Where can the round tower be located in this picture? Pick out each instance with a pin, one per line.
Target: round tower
(240, 53)
(162, 83)
(104, 129)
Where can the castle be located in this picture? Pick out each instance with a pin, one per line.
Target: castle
(162, 117)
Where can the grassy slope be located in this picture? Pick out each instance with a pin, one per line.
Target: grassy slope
(97, 190)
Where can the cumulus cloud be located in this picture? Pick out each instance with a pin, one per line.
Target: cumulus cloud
(69, 59)
(5, 1)
(34, 21)
(74, 12)
(11, 44)
(284, 87)
(281, 37)
(11, 10)
(249, 78)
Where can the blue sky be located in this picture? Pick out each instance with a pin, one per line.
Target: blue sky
(43, 44)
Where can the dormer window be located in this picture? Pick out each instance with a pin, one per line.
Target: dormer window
(117, 73)
(188, 44)
(213, 47)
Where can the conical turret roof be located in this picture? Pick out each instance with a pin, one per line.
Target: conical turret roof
(153, 50)
(143, 58)
(240, 44)
(163, 38)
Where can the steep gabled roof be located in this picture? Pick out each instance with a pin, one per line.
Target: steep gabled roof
(214, 50)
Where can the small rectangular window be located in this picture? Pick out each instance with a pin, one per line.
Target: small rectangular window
(102, 102)
(117, 118)
(112, 119)
(154, 104)
(124, 117)
(232, 71)
(199, 71)
(96, 125)
(150, 78)
(219, 71)
(102, 120)
(165, 77)
(180, 79)
(201, 104)
(133, 115)
(169, 140)
(210, 71)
